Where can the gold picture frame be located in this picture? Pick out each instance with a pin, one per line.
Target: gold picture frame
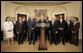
(39, 12)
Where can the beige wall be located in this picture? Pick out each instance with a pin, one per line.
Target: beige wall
(70, 9)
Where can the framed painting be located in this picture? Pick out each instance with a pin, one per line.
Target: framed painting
(39, 12)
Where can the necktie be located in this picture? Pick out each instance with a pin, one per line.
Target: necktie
(21, 23)
(52, 22)
(60, 20)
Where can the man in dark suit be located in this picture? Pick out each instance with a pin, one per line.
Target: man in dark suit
(48, 29)
(42, 20)
(75, 31)
(20, 30)
(37, 31)
(62, 24)
(54, 31)
(68, 32)
(31, 26)
(28, 28)
(25, 28)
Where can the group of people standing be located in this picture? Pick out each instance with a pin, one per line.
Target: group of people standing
(59, 30)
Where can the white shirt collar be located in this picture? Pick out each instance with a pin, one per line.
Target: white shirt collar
(20, 21)
(75, 22)
(61, 20)
(68, 22)
(42, 19)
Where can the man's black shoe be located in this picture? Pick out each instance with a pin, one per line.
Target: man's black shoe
(19, 43)
(51, 43)
(33, 43)
(63, 43)
(29, 43)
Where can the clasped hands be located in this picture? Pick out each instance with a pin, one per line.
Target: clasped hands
(32, 28)
(18, 32)
(55, 31)
(73, 31)
(61, 28)
(9, 30)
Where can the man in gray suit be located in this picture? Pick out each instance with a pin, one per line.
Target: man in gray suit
(31, 26)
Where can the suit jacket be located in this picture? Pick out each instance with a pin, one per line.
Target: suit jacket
(48, 28)
(48, 21)
(54, 27)
(76, 27)
(62, 25)
(40, 21)
(69, 27)
(31, 24)
(14, 29)
(19, 27)
(25, 25)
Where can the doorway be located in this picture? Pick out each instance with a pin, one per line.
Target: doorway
(21, 15)
(58, 15)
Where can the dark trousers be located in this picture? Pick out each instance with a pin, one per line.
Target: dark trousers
(68, 36)
(31, 36)
(75, 39)
(37, 34)
(47, 34)
(24, 35)
(62, 35)
(53, 37)
(15, 34)
(20, 38)
(58, 38)
(28, 34)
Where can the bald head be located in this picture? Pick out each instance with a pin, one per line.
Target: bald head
(67, 18)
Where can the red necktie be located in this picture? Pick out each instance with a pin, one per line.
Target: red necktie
(21, 22)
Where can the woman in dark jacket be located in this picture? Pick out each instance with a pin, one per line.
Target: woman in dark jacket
(75, 31)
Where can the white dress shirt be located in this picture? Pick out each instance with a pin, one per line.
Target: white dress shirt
(61, 20)
(68, 22)
(52, 22)
(14, 22)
